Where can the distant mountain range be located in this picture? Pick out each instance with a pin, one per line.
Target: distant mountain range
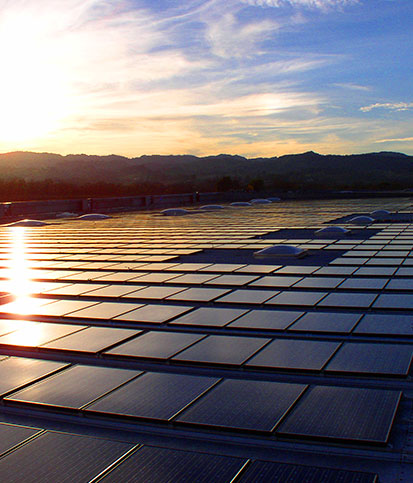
(383, 169)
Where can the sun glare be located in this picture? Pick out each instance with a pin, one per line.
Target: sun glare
(32, 85)
(20, 284)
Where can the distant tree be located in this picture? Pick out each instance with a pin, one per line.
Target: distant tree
(257, 184)
(226, 183)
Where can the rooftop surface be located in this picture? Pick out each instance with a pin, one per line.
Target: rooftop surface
(146, 348)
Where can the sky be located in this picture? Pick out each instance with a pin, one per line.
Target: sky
(203, 77)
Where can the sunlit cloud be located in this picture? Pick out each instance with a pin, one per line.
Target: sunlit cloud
(395, 140)
(392, 106)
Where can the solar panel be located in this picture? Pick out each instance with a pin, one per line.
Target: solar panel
(243, 405)
(222, 349)
(199, 294)
(343, 413)
(92, 339)
(294, 354)
(326, 322)
(154, 395)
(103, 310)
(298, 298)
(389, 324)
(260, 471)
(12, 435)
(61, 457)
(18, 371)
(75, 289)
(274, 281)
(74, 387)
(364, 283)
(267, 319)
(247, 296)
(155, 314)
(394, 301)
(370, 358)
(159, 345)
(353, 299)
(209, 316)
(37, 334)
(234, 280)
(162, 465)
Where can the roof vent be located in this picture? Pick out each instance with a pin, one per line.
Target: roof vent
(361, 220)
(380, 214)
(93, 216)
(240, 203)
(260, 201)
(281, 251)
(212, 207)
(336, 231)
(274, 199)
(174, 212)
(27, 222)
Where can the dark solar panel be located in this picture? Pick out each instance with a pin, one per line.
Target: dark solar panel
(267, 319)
(156, 344)
(268, 471)
(343, 413)
(209, 316)
(92, 339)
(11, 435)
(154, 395)
(17, 371)
(368, 358)
(326, 322)
(295, 354)
(60, 457)
(74, 387)
(162, 465)
(394, 301)
(385, 324)
(363, 300)
(244, 404)
(222, 349)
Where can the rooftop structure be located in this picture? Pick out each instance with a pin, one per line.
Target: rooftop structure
(155, 348)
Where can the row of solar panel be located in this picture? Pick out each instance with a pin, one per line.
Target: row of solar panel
(291, 410)
(359, 358)
(131, 282)
(55, 456)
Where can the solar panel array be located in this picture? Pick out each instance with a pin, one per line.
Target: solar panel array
(169, 330)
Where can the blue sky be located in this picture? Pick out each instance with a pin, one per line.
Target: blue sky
(248, 77)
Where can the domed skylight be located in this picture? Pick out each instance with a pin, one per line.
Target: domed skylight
(212, 207)
(332, 230)
(260, 201)
(361, 220)
(282, 251)
(174, 212)
(240, 203)
(93, 216)
(28, 223)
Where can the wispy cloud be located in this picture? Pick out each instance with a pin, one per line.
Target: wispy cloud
(351, 86)
(392, 106)
(395, 140)
(313, 4)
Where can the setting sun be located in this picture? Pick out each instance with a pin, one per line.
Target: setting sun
(33, 95)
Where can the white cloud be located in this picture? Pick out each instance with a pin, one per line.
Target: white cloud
(312, 4)
(392, 106)
(229, 38)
